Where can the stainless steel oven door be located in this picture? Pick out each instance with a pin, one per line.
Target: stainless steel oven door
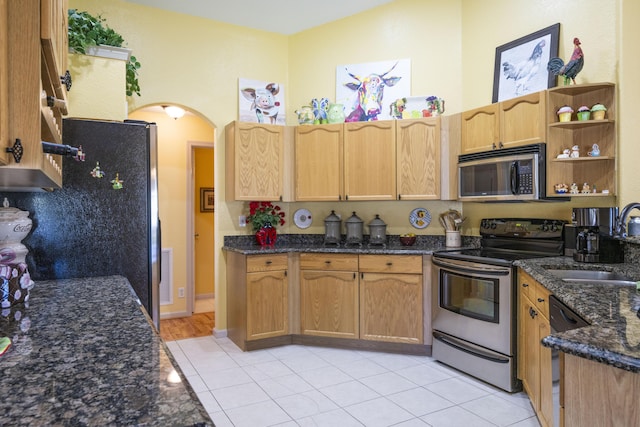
(474, 302)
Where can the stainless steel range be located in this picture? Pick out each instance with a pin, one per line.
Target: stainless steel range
(475, 312)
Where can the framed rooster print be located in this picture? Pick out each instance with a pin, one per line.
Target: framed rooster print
(521, 65)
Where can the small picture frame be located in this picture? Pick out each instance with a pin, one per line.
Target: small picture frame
(521, 65)
(207, 199)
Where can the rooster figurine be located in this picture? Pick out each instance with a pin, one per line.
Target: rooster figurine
(570, 70)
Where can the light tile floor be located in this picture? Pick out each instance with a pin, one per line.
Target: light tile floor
(314, 386)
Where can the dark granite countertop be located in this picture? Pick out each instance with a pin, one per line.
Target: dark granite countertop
(613, 337)
(85, 353)
(314, 243)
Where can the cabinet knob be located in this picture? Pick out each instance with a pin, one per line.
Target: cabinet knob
(525, 285)
(532, 313)
(66, 80)
(268, 262)
(540, 299)
(16, 151)
(327, 262)
(389, 264)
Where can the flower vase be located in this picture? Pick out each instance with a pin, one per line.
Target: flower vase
(266, 236)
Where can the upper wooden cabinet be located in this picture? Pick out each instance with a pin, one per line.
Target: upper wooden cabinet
(515, 122)
(412, 159)
(596, 171)
(33, 35)
(370, 160)
(319, 163)
(418, 159)
(258, 162)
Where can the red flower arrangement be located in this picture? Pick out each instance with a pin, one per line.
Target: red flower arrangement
(263, 213)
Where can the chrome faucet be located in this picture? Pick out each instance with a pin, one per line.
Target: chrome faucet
(620, 230)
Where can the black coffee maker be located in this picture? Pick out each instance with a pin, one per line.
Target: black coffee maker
(594, 239)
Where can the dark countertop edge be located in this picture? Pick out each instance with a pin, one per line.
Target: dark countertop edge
(576, 348)
(576, 341)
(257, 250)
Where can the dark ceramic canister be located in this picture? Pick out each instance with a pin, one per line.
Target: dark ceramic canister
(354, 230)
(332, 229)
(377, 231)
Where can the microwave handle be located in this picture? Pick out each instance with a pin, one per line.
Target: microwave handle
(514, 178)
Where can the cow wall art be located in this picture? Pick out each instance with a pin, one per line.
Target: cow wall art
(367, 90)
(261, 102)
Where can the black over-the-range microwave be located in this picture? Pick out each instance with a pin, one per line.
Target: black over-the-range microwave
(505, 175)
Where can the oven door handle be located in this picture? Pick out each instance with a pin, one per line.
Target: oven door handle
(483, 269)
(473, 351)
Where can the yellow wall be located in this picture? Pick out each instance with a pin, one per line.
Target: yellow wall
(92, 94)
(204, 224)
(196, 63)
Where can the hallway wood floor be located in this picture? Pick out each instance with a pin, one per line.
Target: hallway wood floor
(198, 325)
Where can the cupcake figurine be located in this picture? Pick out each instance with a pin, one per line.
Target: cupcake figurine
(598, 111)
(584, 113)
(564, 113)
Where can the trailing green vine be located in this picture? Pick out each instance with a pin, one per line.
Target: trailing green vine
(86, 30)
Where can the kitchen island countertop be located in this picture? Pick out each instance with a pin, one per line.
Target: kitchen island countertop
(85, 353)
(613, 337)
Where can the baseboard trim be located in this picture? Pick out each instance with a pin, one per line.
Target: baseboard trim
(174, 315)
(219, 333)
(205, 296)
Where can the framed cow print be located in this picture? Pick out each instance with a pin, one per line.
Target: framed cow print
(261, 102)
(367, 90)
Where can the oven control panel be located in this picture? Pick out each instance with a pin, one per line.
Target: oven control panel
(529, 228)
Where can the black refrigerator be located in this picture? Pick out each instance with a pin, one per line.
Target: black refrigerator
(104, 221)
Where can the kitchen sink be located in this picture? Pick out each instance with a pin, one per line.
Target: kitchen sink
(598, 276)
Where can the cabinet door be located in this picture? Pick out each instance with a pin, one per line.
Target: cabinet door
(258, 161)
(319, 164)
(545, 412)
(267, 304)
(480, 129)
(522, 120)
(391, 307)
(530, 351)
(4, 84)
(329, 303)
(370, 160)
(418, 157)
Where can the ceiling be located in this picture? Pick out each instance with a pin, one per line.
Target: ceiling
(278, 16)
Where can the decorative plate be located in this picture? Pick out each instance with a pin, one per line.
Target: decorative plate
(420, 218)
(302, 218)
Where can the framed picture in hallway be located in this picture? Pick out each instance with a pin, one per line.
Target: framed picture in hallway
(206, 199)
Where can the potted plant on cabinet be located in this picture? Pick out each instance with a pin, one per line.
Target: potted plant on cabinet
(87, 32)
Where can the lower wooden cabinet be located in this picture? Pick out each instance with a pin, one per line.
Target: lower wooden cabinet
(329, 295)
(357, 297)
(258, 297)
(534, 360)
(391, 305)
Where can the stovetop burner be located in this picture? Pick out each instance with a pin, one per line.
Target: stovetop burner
(505, 240)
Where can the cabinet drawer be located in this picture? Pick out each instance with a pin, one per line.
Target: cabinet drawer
(333, 262)
(526, 284)
(410, 264)
(257, 263)
(541, 300)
